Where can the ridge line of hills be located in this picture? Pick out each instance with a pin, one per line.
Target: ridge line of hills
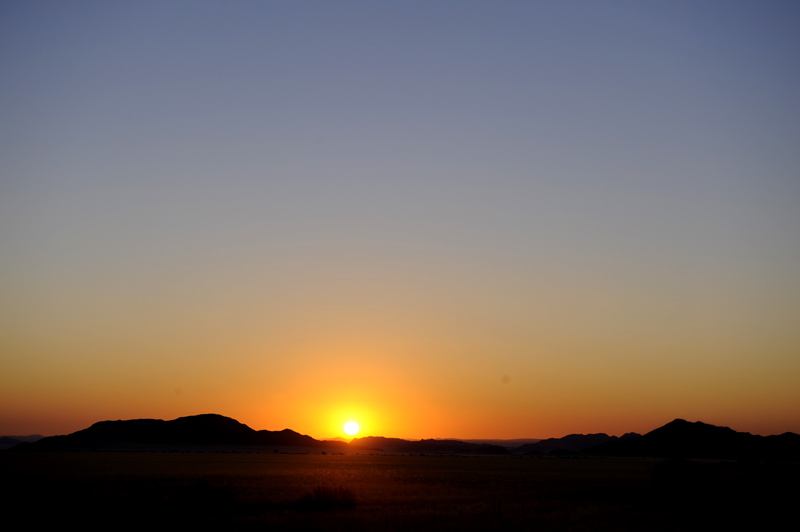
(213, 432)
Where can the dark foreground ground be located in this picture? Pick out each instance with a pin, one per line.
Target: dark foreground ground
(361, 492)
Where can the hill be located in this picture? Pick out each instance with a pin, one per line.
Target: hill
(201, 432)
(684, 439)
(573, 443)
(397, 445)
(6, 442)
(212, 432)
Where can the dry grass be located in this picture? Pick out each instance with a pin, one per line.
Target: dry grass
(327, 499)
(320, 492)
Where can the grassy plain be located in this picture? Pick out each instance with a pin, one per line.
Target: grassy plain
(242, 491)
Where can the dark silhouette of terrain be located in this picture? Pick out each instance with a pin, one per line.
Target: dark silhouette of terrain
(397, 445)
(216, 432)
(508, 444)
(202, 431)
(10, 441)
(684, 439)
(573, 443)
(677, 439)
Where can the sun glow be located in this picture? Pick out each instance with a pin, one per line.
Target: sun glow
(351, 428)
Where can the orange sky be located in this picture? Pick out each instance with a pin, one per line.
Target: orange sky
(473, 373)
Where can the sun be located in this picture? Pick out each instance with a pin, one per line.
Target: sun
(351, 428)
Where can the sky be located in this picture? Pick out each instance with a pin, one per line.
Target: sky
(439, 219)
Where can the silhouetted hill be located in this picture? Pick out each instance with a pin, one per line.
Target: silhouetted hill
(28, 438)
(9, 441)
(397, 445)
(6, 442)
(336, 438)
(508, 444)
(677, 439)
(205, 430)
(215, 432)
(684, 439)
(572, 443)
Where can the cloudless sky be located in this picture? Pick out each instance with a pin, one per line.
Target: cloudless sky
(439, 219)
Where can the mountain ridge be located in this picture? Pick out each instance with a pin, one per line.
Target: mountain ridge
(685, 439)
(204, 430)
(571, 443)
(676, 439)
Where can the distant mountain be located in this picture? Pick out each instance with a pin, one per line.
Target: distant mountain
(336, 438)
(215, 432)
(29, 437)
(202, 431)
(6, 442)
(572, 443)
(684, 439)
(508, 444)
(396, 445)
(677, 439)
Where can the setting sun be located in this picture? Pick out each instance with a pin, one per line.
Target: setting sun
(351, 428)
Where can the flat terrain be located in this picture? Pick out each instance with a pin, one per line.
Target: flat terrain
(364, 492)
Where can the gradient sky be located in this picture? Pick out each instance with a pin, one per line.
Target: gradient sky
(441, 219)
